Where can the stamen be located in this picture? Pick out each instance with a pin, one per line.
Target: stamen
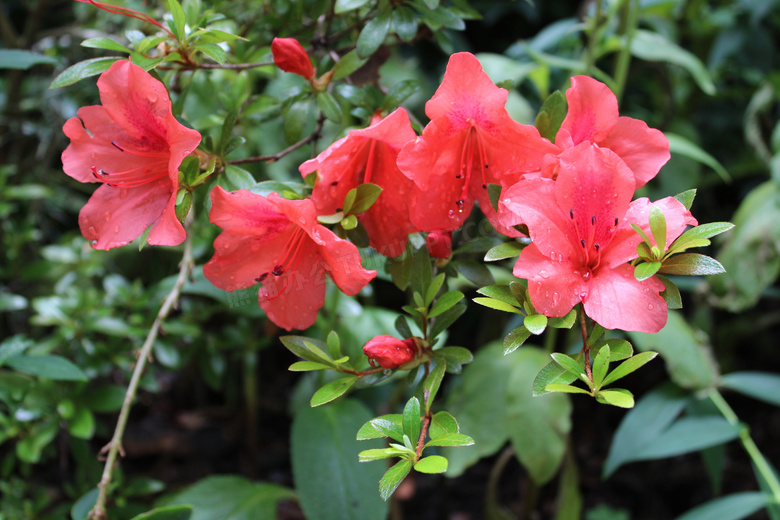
(262, 277)
(571, 214)
(593, 220)
(278, 270)
(287, 264)
(597, 247)
(117, 146)
(134, 176)
(616, 221)
(582, 241)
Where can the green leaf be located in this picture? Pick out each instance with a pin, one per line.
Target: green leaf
(294, 120)
(179, 19)
(421, 271)
(658, 226)
(334, 344)
(445, 302)
(688, 356)
(699, 236)
(569, 364)
(52, 367)
(763, 386)
(373, 33)
(14, 346)
(475, 272)
(82, 70)
(670, 294)
(402, 326)
(499, 292)
(348, 64)
(538, 426)
(628, 366)
(392, 479)
(230, 497)
(688, 434)
(730, 507)
(379, 454)
(411, 419)
(619, 349)
(443, 423)
(564, 389)
(619, 397)
(84, 504)
(497, 305)
(401, 91)
(682, 146)
(19, 59)
(306, 366)
(552, 374)
(309, 349)
(503, 251)
(330, 482)
(82, 424)
(238, 178)
(104, 43)
(365, 196)
(686, 197)
(444, 17)
(333, 390)
(565, 322)
(343, 6)
(692, 264)
(515, 339)
(167, 513)
(390, 425)
(494, 194)
(29, 448)
(551, 115)
(450, 439)
(329, 107)
(600, 366)
(535, 323)
(652, 46)
(644, 424)
(431, 385)
(433, 289)
(432, 464)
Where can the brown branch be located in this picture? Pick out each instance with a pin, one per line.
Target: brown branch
(585, 346)
(275, 157)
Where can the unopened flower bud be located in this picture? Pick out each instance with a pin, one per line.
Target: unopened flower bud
(439, 244)
(390, 352)
(290, 56)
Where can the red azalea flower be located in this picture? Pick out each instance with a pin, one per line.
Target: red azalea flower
(593, 117)
(279, 243)
(290, 56)
(369, 155)
(580, 225)
(470, 142)
(389, 352)
(439, 244)
(133, 145)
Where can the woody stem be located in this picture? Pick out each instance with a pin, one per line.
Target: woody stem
(585, 346)
(98, 512)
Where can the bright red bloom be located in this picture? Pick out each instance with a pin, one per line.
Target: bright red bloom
(369, 155)
(470, 142)
(133, 145)
(279, 243)
(580, 226)
(593, 117)
(290, 56)
(439, 244)
(389, 352)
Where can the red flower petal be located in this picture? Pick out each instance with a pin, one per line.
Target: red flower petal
(593, 111)
(553, 286)
(643, 149)
(290, 56)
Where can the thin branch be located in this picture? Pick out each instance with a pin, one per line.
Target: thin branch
(585, 346)
(232, 66)
(275, 157)
(114, 447)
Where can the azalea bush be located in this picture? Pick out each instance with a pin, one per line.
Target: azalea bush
(432, 269)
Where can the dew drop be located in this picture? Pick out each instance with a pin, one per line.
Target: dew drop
(544, 274)
(152, 97)
(583, 295)
(451, 213)
(107, 216)
(556, 298)
(93, 243)
(122, 193)
(116, 229)
(91, 230)
(650, 307)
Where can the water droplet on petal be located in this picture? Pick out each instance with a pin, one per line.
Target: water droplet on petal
(650, 307)
(107, 216)
(583, 295)
(556, 298)
(93, 243)
(152, 97)
(116, 229)
(122, 193)
(451, 213)
(544, 274)
(91, 230)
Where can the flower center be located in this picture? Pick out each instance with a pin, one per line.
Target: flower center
(473, 150)
(156, 168)
(286, 265)
(590, 232)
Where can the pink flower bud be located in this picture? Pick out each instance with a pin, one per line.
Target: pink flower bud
(290, 56)
(439, 244)
(389, 352)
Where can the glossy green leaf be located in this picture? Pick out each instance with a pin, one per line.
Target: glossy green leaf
(411, 418)
(569, 364)
(682, 146)
(563, 388)
(763, 386)
(499, 292)
(692, 264)
(535, 323)
(628, 366)
(229, 497)
(390, 425)
(378, 454)
(443, 423)
(400, 92)
(306, 366)
(730, 507)
(445, 302)
(619, 397)
(551, 115)
(404, 23)
(565, 322)
(503, 251)
(450, 439)
(82, 70)
(431, 385)
(393, 478)
(431, 464)
(600, 366)
(670, 294)
(330, 482)
(343, 6)
(652, 46)
(515, 339)
(348, 64)
(552, 374)
(497, 305)
(333, 390)
(49, 366)
(105, 43)
(699, 236)
(329, 107)
(294, 119)
(374, 33)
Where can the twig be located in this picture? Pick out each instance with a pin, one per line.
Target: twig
(98, 512)
(275, 157)
(585, 346)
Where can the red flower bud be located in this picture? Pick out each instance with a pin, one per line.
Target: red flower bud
(439, 244)
(389, 352)
(290, 56)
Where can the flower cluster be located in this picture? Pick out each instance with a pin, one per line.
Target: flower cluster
(573, 195)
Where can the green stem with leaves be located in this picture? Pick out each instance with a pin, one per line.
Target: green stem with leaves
(624, 58)
(759, 461)
(594, 33)
(114, 447)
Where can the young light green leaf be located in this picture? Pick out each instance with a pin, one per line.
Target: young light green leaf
(691, 264)
(104, 43)
(82, 70)
(628, 366)
(686, 197)
(619, 397)
(379, 454)
(433, 289)
(570, 365)
(411, 419)
(499, 292)
(445, 302)
(332, 390)
(503, 251)
(645, 270)
(497, 305)
(535, 323)
(601, 365)
(432, 464)
(179, 19)
(551, 115)
(450, 439)
(566, 389)
(443, 423)
(393, 478)
(515, 339)
(658, 226)
(551, 374)
(699, 236)
(306, 366)
(390, 425)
